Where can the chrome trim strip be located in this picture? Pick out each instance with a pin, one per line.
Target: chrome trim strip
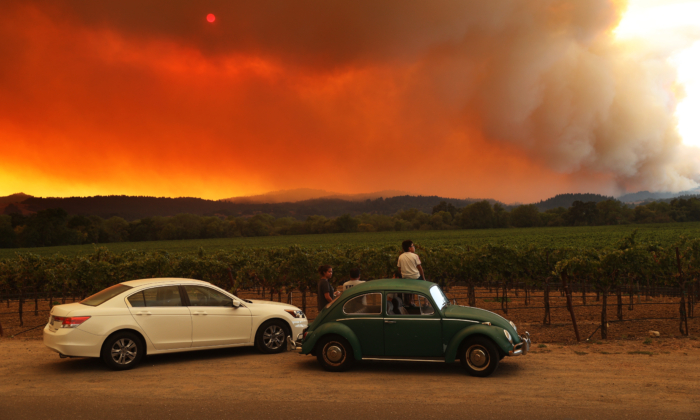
(402, 360)
(461, 320)
(412, 319)
(352, 319)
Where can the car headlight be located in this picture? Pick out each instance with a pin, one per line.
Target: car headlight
(512, 324)
(296, 313)
(508, 336)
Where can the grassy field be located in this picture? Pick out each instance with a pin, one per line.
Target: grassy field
(583, 237)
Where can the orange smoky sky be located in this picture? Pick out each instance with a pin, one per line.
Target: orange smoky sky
(511, 100)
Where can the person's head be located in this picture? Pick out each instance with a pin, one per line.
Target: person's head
(354, 273)
(326, 271)
(407, 245)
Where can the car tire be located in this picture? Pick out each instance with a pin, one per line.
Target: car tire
(123, 350)
(335, 354)
(479, 356)
(272, 337)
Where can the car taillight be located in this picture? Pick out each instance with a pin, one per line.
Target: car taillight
(305, 332)
(71, 321)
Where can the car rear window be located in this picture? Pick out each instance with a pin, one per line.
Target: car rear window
(103, 296)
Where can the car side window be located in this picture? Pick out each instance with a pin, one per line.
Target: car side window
(157, 296)
(137, 300)
(425, 307)
(204, 296)
(367, 304)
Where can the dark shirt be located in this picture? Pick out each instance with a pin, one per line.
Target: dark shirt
(324, 287)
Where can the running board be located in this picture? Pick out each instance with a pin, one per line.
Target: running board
(393, 359)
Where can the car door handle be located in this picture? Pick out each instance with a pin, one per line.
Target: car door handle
(200, 313)
(389, 322)
(143, 313)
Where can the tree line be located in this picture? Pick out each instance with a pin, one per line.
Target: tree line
(55, 227)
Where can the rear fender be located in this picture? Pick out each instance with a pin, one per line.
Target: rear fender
(492, 332)
(332, 328)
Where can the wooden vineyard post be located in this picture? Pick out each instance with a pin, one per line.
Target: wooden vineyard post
(303, 299)
(619, 303)
(569, 305)
(547, 315)
(21, 301)
(681, 283)
(604, 317)
(233, 282)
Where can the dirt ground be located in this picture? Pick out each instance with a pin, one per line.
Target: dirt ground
(527, 317)
(615, 379)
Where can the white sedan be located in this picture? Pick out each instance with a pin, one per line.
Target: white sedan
(123, 323)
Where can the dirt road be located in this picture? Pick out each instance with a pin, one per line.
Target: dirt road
(589, 381)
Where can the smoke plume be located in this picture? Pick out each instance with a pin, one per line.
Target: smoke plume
(475, 98)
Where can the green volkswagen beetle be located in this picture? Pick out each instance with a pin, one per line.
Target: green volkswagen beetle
(401, 319)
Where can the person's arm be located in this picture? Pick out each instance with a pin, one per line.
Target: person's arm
(328, 297)
(420, 270)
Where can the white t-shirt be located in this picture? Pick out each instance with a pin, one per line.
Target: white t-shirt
(348, 284)
(408, 263)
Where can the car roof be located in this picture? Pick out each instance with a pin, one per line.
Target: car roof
(402, 285)
(165, 280)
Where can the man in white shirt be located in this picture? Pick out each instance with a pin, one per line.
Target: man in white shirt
(354, 279)
(409, 262)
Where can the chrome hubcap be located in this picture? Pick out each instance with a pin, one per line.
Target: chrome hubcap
(273, 337)
(478, 357)
(334, 354)
(124, 351)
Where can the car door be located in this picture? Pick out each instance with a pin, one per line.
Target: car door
(215, 321)
(162, 316)
(414, 331)
(363, 315)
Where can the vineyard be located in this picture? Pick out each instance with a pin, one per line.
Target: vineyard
(597, 237)
(559, 294)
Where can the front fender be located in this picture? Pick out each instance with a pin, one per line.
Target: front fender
(494, 333)
(332, 328)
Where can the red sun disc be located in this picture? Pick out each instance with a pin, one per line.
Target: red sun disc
(211, 18)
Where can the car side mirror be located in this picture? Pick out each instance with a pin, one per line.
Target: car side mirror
(236, 303)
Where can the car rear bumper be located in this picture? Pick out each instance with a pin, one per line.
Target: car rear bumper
(72, 342)
(522, 347)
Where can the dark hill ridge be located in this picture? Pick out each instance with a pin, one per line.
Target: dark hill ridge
(566, 200)
(132, 208)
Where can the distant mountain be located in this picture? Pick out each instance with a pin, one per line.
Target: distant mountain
(13, 203)
(303, 194)
(566, 200)
(646, 196)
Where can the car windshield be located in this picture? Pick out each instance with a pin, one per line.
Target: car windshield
(101, 297)
(439, 297)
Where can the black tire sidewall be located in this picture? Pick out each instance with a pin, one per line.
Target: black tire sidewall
(107, 346)
(260, 344)
(494, 356)
(347, 349)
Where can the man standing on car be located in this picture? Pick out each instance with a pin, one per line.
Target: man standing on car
(409, 262)
(325, 290)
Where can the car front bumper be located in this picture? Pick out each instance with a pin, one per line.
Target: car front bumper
(522, 347)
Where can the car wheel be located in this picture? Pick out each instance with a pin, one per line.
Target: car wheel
(335, 354)
(123, 350)
(272, 336)
(479, 356)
